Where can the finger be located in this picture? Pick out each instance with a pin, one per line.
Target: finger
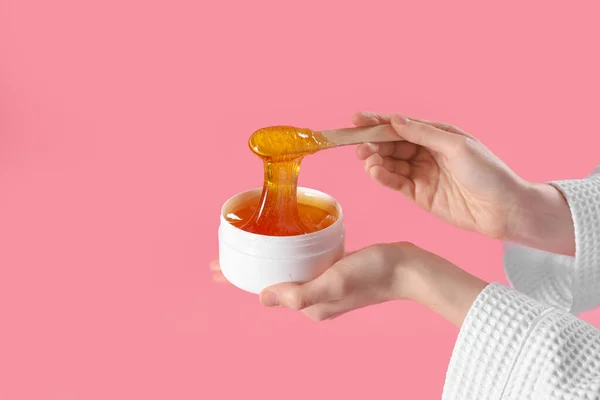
(392, 180)
(327, 287)
(443, 126)
(404, 151)
(333, 309)
(401, 150)
(426, 135)
(391, 164)
(377, 159)
(369, 118)
(217, 276)
(366, 118)
(364, 150)
(214, 265)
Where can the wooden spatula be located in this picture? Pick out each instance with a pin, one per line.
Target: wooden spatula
(348, 136)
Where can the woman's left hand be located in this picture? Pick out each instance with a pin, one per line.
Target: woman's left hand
(376, 274)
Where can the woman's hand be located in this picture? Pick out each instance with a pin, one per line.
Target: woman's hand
(379, 273)
(454, 176)
(445, 171)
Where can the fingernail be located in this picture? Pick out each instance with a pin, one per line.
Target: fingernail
(399, 119)
(269, 299)
(373, 147)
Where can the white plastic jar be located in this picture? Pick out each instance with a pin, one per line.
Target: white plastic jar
(253, 262)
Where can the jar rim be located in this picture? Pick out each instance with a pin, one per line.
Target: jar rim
(278, 239)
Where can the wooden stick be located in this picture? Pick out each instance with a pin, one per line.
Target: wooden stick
(348, 136)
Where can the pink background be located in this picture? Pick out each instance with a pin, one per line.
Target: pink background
(123, 128)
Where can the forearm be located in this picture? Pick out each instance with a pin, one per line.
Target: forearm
(542, 220)
(561, 225)
(512, 346)
(445, 289)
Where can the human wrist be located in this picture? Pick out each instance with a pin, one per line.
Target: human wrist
(444, 288)
(542, 219)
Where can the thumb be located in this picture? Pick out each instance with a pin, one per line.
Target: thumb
(289, 295)
(426, 135)
(296, 296)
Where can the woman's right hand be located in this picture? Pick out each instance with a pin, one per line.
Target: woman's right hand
(451, 174)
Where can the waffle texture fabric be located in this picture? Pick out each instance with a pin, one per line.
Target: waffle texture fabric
(526, 342)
